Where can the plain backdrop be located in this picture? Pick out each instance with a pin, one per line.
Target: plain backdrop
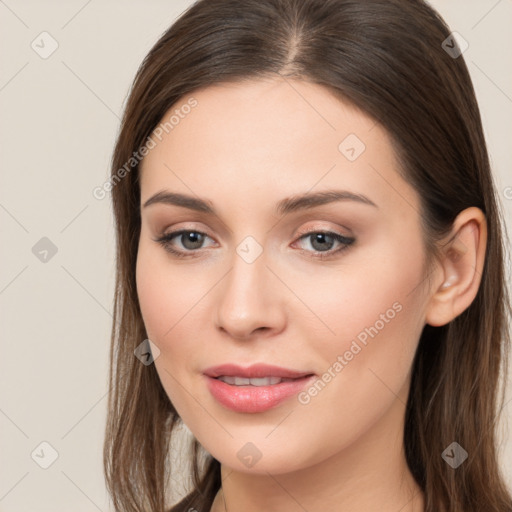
(59, 118)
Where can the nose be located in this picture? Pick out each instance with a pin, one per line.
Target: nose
(251, 300)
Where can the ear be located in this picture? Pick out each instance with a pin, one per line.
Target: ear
(460, 272)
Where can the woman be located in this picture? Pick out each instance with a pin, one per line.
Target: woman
(310, 269)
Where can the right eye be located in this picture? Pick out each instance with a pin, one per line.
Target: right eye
(190, 240)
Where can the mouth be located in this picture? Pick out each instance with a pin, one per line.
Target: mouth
(254, 389)
(256, 381)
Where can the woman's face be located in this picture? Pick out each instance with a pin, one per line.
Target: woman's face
(329, 287)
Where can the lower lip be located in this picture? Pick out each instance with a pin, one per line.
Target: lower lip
(255, 398)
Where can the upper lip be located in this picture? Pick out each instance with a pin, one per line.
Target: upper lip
(254, 371)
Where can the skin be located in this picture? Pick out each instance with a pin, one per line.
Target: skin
(245, 147)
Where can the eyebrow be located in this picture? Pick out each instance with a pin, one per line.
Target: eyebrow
(283, 207)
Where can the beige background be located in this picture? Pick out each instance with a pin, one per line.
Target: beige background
(59, 119)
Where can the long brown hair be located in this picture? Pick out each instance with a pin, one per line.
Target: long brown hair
(387, 58)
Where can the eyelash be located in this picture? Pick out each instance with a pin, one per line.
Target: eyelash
(165, 241)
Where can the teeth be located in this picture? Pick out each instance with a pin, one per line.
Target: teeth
(244, 381)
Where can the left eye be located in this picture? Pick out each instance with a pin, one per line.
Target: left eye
(322, 241)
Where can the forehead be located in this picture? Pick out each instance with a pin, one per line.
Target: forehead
(265, 139)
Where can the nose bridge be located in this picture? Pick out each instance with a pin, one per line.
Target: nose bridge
(248, 300)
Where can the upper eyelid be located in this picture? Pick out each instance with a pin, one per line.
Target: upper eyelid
(298, 232)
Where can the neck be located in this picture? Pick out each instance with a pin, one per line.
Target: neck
(370, 474)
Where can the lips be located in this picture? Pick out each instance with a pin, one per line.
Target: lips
(256, 388)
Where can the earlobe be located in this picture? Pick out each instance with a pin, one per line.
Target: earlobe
(460, 268)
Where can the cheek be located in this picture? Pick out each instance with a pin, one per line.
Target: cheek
(166, 295)
(156, 296)
(378, 289)
(166, 301)
(367, 364)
